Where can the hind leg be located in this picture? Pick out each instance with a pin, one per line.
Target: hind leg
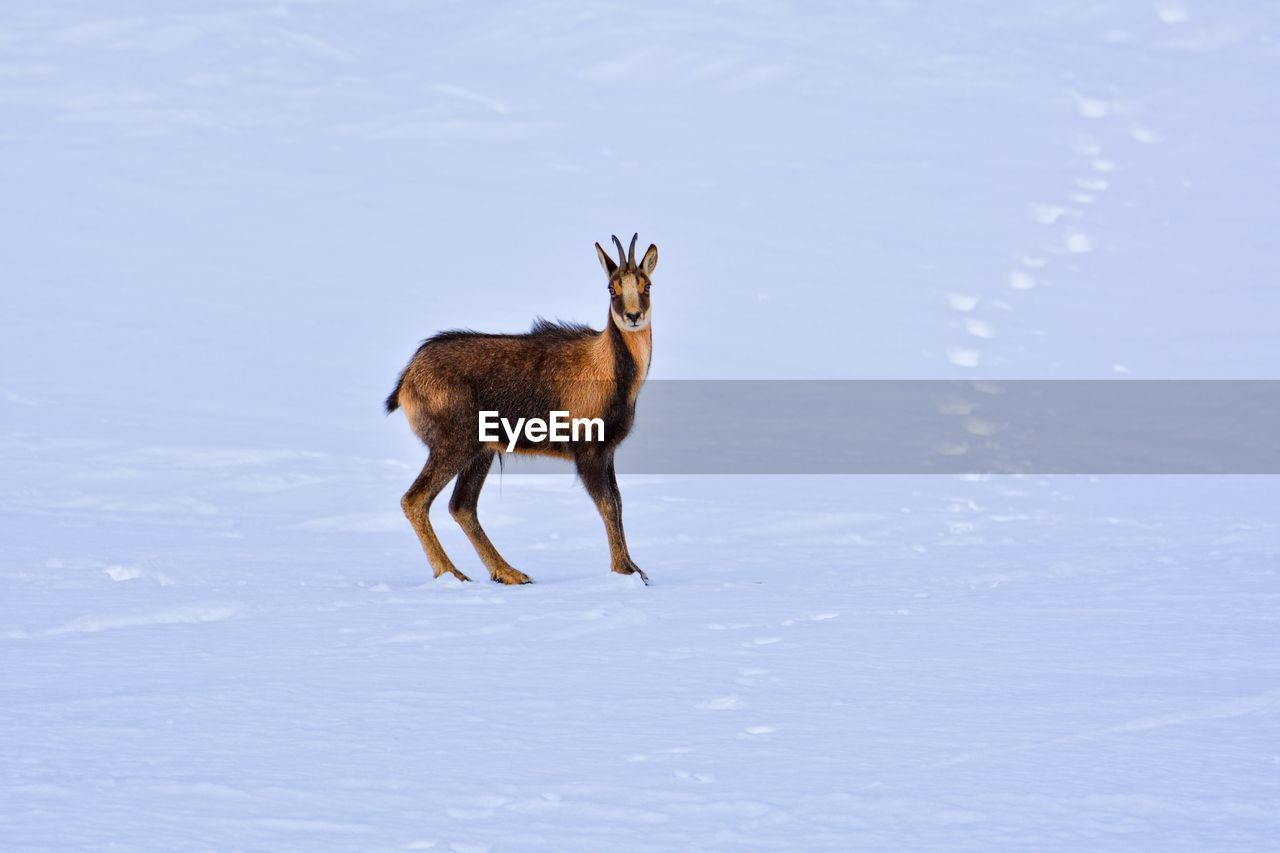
(462, 506)
(416, 503)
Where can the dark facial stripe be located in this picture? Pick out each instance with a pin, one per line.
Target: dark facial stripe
(620, 411)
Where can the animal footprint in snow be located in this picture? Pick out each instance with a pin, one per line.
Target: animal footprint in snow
(1021, 280)
(978, 328)
(962, 302)
(702, 778)
(1048, 214)
(978, 426)
(954, 405)
(963, 357)
(1171, 13)
(721, 703)
(943, 448)
(122, 573)
(1090, 107)
(1144, 134)
(1079, 242)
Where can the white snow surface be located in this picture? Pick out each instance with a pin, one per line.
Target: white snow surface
(225, 226)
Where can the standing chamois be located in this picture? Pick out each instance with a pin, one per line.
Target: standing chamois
(560, 367)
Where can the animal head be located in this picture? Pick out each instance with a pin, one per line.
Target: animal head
(629, 284)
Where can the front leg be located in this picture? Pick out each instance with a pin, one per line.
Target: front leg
(629, 567)
(601, 481)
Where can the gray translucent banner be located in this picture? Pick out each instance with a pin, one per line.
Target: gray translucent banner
(955, 427)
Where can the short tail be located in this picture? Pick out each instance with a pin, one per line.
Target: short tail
(393, 401)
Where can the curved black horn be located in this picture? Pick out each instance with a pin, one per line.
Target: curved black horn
(631, 255)
(622, 255)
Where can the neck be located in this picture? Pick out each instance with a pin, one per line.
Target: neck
(639, 345)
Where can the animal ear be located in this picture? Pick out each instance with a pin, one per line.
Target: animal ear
(605, 261)
(650, 259)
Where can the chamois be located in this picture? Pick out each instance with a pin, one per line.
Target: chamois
(456, 375)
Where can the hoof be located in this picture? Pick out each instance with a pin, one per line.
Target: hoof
(511, 577)
(457, 574)
(632, 569)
